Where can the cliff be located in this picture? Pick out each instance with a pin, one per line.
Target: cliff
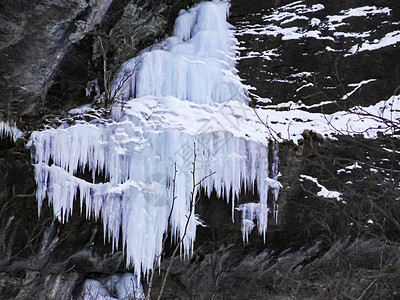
(301, 58)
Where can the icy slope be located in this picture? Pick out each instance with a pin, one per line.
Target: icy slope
(191, 110)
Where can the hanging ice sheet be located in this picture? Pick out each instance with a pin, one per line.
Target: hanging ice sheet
(184, 97)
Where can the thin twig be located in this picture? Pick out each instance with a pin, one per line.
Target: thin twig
(365, 291)
(178, 245)
(270, 130)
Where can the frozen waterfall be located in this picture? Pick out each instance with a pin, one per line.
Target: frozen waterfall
(177, 99)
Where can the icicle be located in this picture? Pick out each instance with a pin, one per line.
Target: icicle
(276, 185)
(9, 130)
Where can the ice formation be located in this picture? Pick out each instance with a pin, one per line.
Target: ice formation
(180, 106)
(126, 286)
(9, 130)
(195, 64)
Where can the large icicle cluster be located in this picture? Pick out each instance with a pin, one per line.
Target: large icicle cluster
(180, 98)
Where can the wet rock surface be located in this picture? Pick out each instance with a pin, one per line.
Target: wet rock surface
(320, 248)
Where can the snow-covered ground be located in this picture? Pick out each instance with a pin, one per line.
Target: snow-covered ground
(289, 124)
(278, 23)
(322, 39)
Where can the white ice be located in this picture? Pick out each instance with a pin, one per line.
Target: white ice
(126, 286)
(8, 129)
(356, 87)
(202, 47)
(180, 99)
(93, 290)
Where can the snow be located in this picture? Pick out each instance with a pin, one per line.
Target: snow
(8, 129)
(304, 86)
(356, 165)
(364, 34)
(277, 21)
(317, 7)
(317, 35)
(390, 150)
(324, 192)
(179, 106)
(390, 39)
(362, 11)
(294, 18)
(291, 12)
(348, 169)
(315, 22)
(80, 110)
(289, 125)
(266, 54)
(302, 74)
(288, 33)
(276, 24)
(357, 86)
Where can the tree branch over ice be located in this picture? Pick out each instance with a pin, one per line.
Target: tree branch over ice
(168, 105)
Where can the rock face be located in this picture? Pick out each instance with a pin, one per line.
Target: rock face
(37, 36)
(320, 53)
(50, 50)
(320, 248)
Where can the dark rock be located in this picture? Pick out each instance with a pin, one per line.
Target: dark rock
(49, 50)
(305, 70)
